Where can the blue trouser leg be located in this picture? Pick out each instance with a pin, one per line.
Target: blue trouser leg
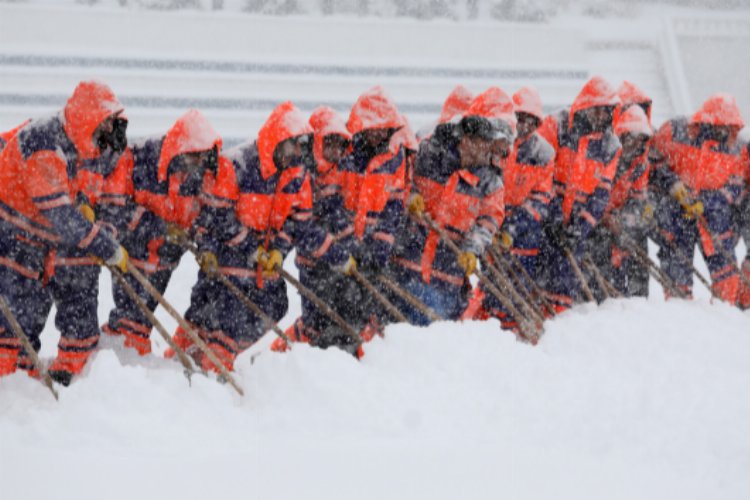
(722, 264)
(127, 318)
(205, 299)
(560, 282)
(28, 299)
(447, 300)
(526, 250)
(341, 293)
(629, 276)
(30, 302)
(676, 237)
(682, 234)
(237, 322)
(75, 290)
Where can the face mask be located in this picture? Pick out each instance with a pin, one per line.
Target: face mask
(116, 140)
(192, 183)
(284, 158)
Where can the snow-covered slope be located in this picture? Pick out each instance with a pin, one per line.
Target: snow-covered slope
(636, 399)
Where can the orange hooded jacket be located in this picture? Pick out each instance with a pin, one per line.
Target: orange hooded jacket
(632, 179)
(466, 202)
(325, 122)
(584, 161)
(39, 164)
(369, 183)
(529, 170)
(191, 133)
(699, 161)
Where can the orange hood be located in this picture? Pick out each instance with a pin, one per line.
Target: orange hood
(494, 104)
(191, 133)
(527, 100)
(456, 104)
(92, 102)
(630, 94)
(633, 120)
(596, 92)
(8, 135)
(285, 122)
(404, 137)
(719, 109)
(325, 121)
(374, 109)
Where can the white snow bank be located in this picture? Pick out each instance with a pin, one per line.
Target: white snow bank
(631, 400)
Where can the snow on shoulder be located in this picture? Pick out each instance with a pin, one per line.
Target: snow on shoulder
(632, 399)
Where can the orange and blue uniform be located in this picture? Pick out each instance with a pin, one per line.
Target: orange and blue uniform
(627, 203)
(373, 179)
(527, 177)
(166, 193)
(585, 164)
(466, 201)
(373, 184)
(700, 155)
(74, 273)
(336, 290)
(256, 205)
(38, 213)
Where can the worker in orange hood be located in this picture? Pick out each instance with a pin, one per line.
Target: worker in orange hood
(458, 184)
(260, 209)
(38, 213)
(373, 188)
(628, 214)
(528, 190)
(170, 178)
(698, 172)
(587, 151)
(331, 142)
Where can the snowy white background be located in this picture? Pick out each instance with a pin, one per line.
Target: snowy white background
(637, 399)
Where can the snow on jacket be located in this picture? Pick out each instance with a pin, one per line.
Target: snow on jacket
(528, 183)
(255, 204)
(586, 160)
(38, 169)
(632, 174)
(466, 201)
(374, 179)
(688, 150)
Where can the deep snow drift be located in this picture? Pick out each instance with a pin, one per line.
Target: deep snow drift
(634, 399)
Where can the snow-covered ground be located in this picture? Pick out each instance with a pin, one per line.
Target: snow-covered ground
(634, 399)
